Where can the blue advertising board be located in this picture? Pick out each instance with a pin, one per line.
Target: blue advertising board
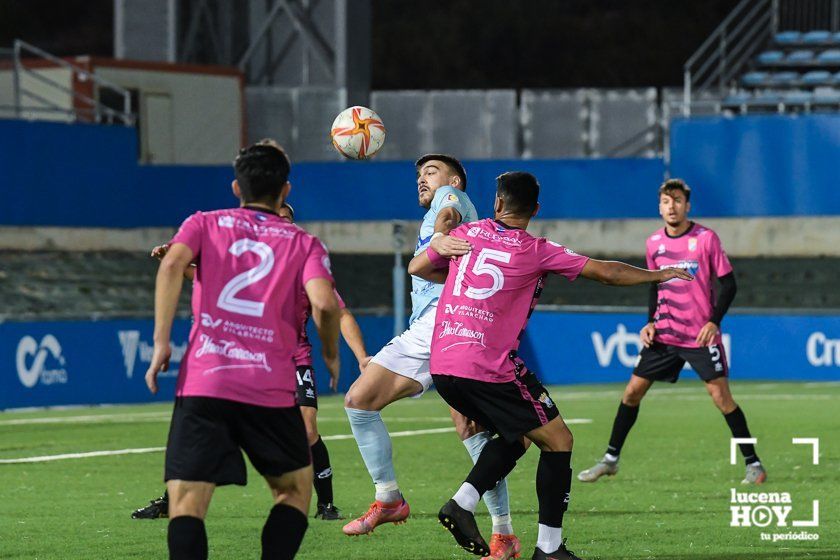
(97, 362)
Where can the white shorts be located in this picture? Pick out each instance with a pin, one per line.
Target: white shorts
(408, 354)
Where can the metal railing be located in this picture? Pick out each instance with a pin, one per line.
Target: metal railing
(83, 107)
(716, 65)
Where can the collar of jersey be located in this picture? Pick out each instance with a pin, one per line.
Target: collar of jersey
(260, 209)
(686, 232)
(504, 225)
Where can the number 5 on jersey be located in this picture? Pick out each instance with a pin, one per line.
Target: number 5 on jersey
(482, 267)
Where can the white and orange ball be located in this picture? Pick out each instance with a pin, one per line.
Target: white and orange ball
(357, 133)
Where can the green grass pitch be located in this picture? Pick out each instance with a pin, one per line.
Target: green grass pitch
(671, 498)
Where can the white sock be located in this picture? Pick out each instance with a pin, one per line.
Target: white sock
(387, 492)
(608, 457)
(549, 539)
(502, 524)
(467, 497)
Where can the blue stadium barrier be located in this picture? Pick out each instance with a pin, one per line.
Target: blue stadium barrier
(777, 165)
(86, 175)
(92, 362)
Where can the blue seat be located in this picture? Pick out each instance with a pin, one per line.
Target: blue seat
(836, 79)
(798, 97)
(788, 37)
(755, 79)
(817, 78)
(816, 37)
(784, 78)
(827, 96)
(830, 56)
(771, 57)
(737, 99)
(800, 56)
(835, 37)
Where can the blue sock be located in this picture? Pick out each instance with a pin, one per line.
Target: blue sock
(496, 500)
(375, 446)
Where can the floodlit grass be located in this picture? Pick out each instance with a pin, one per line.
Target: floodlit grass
(670, 500)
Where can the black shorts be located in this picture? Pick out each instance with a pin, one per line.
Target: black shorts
(307, 392)
(207, 437)
(510, 409)
(664, 362)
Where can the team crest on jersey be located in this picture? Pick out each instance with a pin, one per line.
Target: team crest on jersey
(692, 243)
(546, 400)
(452, 198)
(261, 217)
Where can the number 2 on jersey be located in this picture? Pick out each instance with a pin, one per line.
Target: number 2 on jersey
(482, 267)
(227, 298)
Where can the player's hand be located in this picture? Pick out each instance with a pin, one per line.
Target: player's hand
(646, 334)
(334, 368)
(707, 334)
(363, 363)
(670, 273)
(450, 247)
(160, 251)
(160, 362)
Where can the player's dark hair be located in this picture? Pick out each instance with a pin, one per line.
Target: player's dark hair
(672, 185)
(520, 191)
(452, 162)
(261, 171)
(288, 207)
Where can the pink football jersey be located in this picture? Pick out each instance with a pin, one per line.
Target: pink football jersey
(684, 307)
(488, 297)
(303, 354)
(248, 288)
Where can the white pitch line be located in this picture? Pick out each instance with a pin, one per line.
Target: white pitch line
(63, 456)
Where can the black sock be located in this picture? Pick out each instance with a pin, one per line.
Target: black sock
(738, 426)
(624, 420)
(323, 472)
(187, 538)
(282, 533)
(497, 459)
(554, 481)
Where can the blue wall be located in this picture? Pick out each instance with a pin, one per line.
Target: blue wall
(759, 165)
(85, 175)
(59, 363)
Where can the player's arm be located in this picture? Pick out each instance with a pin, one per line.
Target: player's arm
(728, 289)
(649, 330)
(615, 273)
(160, 251)
(353, 337)
(327, 317)
(445, 245)
(170, 278)
(429, 265)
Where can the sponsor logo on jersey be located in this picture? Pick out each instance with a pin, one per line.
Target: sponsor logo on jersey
(457, 328)
(476, 231)
(230, 350)
(226, 221)
(207, 321)
(133, 346)
(692, 243)
(261, 217)
(656, 237)
(690, 266)
(661, 249)
(36, 361)
(473, 231)
(469, 311)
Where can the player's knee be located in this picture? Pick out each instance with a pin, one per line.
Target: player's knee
(632, 397)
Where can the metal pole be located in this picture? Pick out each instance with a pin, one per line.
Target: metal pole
(398, 278)
(686, 108)
(774, 21)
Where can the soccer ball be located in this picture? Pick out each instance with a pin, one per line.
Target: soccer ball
(357, 133)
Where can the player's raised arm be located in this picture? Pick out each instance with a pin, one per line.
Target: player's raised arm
(170, 278)
(325, 313)
(616, 273)
(429, 265)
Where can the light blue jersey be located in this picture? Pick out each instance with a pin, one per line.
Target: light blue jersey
(423, 292)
